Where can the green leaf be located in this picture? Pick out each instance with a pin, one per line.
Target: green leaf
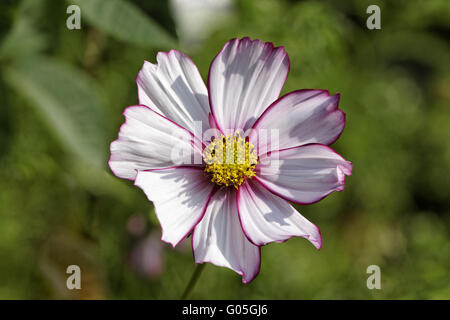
(67, 101)
(25, 36)
(125, 22)
(102, 183)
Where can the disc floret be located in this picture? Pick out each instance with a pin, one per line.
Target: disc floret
(230, 160)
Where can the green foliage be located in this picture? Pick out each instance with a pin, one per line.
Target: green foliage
(123, 21)
(62, 93)
(24, 36)
(67, 99)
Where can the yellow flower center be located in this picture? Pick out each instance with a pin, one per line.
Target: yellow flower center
(229, 160)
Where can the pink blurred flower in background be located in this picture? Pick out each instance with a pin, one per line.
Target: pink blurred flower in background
(236, 198)
(146, 257)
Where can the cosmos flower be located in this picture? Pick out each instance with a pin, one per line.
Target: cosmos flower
(231, 189)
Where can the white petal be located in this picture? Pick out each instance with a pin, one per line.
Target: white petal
(219, 238)
(266, 217)
(147, 140)
(303, 174)
(174, 88)
(300, 117)
(180, 196)
(244, 79)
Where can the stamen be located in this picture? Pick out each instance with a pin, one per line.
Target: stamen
(229, 160)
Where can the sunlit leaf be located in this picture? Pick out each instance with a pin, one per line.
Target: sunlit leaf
(124, 21)
(25, 37)
(67, 101)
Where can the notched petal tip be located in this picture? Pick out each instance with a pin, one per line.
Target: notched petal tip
(174, 88)
(304, 161)
(343, 170)
(218, 238)
(263, 69)
(266, 217)
(180, 196)
(316, 240)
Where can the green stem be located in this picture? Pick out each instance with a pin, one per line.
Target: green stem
(195, 276)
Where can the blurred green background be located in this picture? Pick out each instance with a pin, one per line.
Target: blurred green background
(62, 93)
